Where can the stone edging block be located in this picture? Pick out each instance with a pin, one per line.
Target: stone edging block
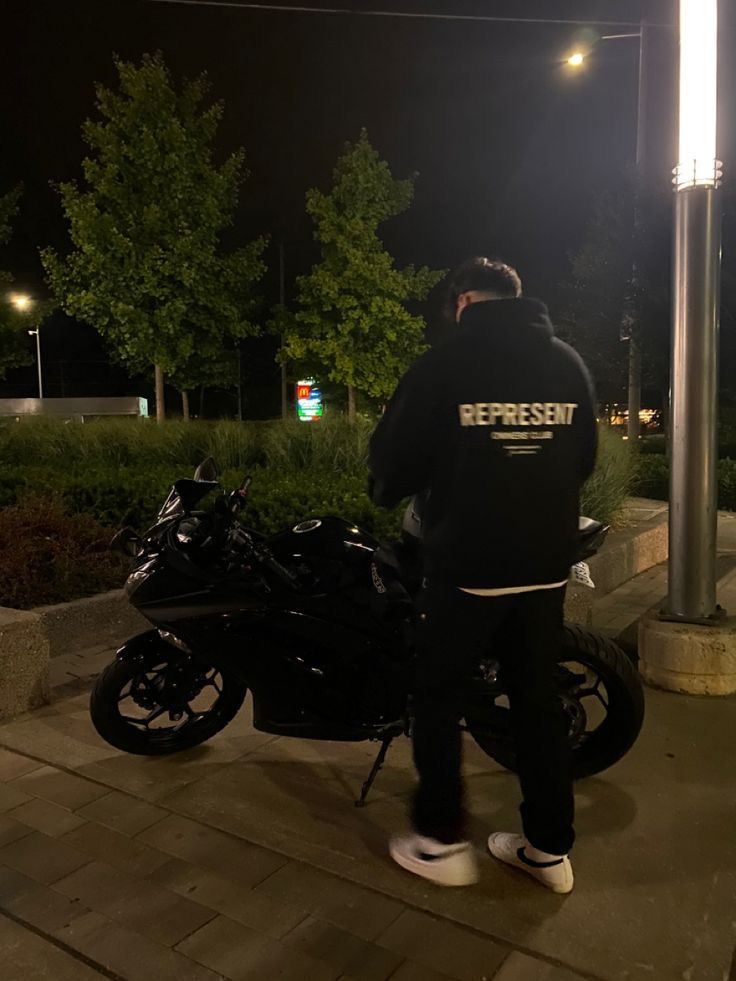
(82, 623)
(630, 552)
(24, 662)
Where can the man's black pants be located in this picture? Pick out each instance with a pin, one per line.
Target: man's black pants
(455, 631)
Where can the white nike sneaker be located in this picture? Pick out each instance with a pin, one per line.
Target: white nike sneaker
(445, 865)
(554, 872)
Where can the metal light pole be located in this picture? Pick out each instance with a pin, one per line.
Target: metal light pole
(37, 332)
(695, 317)
(23, 303)
(282, 302)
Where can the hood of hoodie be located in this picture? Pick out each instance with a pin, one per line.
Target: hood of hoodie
(508, 317)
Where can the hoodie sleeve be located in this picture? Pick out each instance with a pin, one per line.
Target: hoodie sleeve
(401, 453)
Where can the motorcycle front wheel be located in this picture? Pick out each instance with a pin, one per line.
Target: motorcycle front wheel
(602, 697)
(163, 702)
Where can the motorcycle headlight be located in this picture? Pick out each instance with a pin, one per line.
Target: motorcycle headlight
(174, 641)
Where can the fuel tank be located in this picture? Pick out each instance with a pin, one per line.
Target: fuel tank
(330, 538)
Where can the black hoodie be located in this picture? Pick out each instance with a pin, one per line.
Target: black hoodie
(499, 424)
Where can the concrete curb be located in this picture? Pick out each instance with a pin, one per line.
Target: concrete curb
(107, 618)
(629, 552)
(24, 662)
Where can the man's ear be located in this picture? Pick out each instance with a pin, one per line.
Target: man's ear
(462, 301)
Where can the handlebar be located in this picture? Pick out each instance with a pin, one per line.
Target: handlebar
(238, 497)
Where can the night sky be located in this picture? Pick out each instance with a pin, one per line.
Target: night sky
(510, 148)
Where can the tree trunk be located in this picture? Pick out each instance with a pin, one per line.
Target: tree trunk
(634, 383)
(185, 406)
(201, 402)
(240, 385)
(284, 393)
(160, 403)
(351, 404)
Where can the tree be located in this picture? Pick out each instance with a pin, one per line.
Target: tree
(601, 292)
(15, 347)
(597, 296)
(146, 266)
(351, 313)
(602, 295)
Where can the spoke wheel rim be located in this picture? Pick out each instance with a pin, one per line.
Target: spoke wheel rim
(169, 688)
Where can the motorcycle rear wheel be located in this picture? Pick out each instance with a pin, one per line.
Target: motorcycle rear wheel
(131, 700)
(608, 676)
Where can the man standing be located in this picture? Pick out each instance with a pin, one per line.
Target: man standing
(498, 425)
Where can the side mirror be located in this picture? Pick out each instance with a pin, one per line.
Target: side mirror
(207, 471)
(126, 542)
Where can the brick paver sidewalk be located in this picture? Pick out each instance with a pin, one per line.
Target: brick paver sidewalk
(96, 883)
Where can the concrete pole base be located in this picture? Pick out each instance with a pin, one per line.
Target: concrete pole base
(686, 658)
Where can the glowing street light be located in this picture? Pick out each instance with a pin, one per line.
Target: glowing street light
(697, 165)
(21, 301)
(23, 304)
(576, 60)
(695, 315)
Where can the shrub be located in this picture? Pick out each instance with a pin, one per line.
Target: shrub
(129, 443)
(727, 485)
(279, 499)
(114, 496)
(69, 485)
(652, 476)
(332, 445)
(604, 494)
(48, 555)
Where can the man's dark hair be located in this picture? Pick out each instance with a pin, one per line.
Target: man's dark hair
(485, 276)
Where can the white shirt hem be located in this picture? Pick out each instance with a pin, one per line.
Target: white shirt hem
(513, 590)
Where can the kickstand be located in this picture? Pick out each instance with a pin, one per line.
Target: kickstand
(374, 771)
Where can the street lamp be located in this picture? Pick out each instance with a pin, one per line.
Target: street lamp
(695, 316)
(632, 326)
(37, 332)
(23, 303)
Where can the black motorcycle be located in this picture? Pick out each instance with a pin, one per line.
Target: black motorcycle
(316, 621)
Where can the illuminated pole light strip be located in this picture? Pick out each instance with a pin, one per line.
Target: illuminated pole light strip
(698, 165)
(693, 513)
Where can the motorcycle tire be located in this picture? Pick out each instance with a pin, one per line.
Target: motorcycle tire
(110, 723)
(624, 716)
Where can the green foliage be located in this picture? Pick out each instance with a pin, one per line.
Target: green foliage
(603, 295)
(128, 443)
(652, 475)
(278, 500)
(48, 555)
(605, 492)
(16, 348)
(601, 275)
(331, 445)
(146, 266)
(352, 318)
(118, 472)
